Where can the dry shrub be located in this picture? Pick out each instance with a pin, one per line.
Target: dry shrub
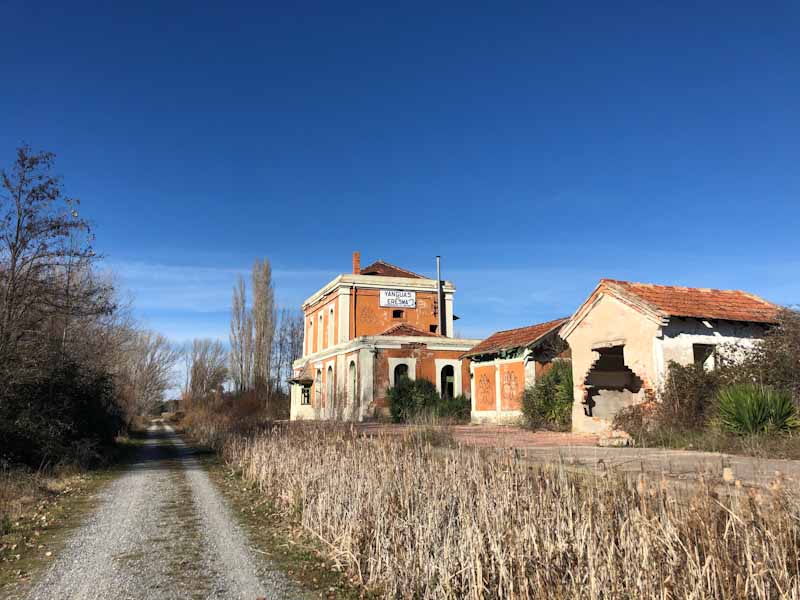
(410, 520)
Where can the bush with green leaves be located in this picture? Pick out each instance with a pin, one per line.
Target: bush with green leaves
(750, 409)
(412, 398)
(548, 403)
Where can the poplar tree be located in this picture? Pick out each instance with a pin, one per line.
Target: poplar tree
(263, 318)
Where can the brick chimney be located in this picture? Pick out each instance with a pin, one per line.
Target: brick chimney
(356, 263)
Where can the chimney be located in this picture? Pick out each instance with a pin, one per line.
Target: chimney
(356, 263)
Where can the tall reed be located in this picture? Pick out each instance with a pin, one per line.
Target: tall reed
(412, 520)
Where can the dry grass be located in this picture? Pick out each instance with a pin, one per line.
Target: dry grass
(408, 519)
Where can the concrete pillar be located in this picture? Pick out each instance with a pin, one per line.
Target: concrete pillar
(344, 315)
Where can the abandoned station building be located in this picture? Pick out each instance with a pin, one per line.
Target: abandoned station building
(507, 362)
(366, 329)
(623, 337)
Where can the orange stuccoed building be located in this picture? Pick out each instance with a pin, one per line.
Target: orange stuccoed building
(365, 330)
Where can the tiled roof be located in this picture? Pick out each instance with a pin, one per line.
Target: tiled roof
(305, 375)
(699, 303)
(515, 338)
(404, 329)
(384, 269)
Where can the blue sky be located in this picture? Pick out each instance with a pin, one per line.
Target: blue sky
(536, 146)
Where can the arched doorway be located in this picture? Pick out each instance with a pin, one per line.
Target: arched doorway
(448, 381)
(400, 372)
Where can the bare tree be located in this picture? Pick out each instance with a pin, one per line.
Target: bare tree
(263, 326)
(241, 338)
(148, 370)
(208, 369)
(288, 346)
(45, 263)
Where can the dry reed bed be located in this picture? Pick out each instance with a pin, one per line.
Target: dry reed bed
(412, 520)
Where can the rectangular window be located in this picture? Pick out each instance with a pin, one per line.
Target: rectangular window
(306, 397)
(433, 328)
(397, 314)
(704, 355)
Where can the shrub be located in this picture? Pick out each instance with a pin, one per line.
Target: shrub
(418, 399)
(68, 415)
(687, 396)
(410, 397)
(775, 361)
(752, 409)
(457, 409)
(548, 404)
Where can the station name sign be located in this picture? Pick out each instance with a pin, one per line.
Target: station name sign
(398, 299)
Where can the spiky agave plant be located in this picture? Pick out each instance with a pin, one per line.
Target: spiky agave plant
(750, 409)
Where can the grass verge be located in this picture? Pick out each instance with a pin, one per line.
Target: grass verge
(38, 512)
(786, 446)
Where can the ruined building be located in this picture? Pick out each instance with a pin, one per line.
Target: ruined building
(507, 362)
(624, 335)
(366, 329)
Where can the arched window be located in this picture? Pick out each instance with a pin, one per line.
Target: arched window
(400, 372)
(331, 341)
(352, 390)
(318, 388)
(448, 381)
(329, 388)
(319, 333)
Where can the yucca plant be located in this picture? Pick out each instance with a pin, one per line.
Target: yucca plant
(752, 409)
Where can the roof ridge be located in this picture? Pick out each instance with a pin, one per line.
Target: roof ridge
(393, 266)
(527, 326)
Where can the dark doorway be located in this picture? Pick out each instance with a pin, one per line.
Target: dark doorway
(400, 372)
(448, 381)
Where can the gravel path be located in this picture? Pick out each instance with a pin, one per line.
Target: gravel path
(162, 530)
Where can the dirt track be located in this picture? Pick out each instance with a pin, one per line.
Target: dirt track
(161, 531)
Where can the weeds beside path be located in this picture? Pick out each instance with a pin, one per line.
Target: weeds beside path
(408, 518)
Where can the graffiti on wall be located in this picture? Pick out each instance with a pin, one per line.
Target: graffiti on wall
(511, 388)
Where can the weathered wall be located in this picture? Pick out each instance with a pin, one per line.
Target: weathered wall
(368, 317)
(485, 386)
(512, 385)
(678, 339)
(311, 342)
(609, 323)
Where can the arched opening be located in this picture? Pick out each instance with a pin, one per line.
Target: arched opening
(352, 386)
(448, 380)
(400, 372)
(318, 389)
(329, 400)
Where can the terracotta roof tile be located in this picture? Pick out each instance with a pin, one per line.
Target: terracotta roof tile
(514, 338)
(699, 303)
(304, 375)
(384, 269)
(404, 329)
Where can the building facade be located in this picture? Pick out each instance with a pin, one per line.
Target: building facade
(623, 337)
(507, 362)
(368, 328)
